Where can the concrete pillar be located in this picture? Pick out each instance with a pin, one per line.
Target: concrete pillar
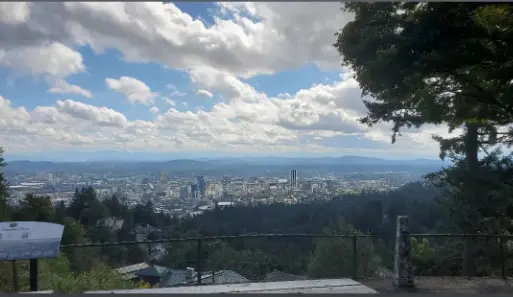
(403, 268)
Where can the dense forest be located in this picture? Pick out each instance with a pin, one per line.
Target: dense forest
(423, 64)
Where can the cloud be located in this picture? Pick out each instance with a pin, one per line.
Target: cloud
(248, 39)
(102, 116)
(221, 81)
(14, 13)
(174, 91)
(204, 93)
(169, 101)
(321, 118)
(244, 40)
(62, 87)
(133, 89)
(154, 109)
(54, 59)
(322, 107)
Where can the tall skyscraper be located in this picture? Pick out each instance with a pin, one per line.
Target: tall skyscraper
(224, 184)
(200, 180)
(194, 191)
(293, 179)
(163, 180)
(184, 192)
(162, 185)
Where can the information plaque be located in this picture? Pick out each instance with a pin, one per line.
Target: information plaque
(29, 240)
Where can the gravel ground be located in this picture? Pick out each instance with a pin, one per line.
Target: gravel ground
(445, 285)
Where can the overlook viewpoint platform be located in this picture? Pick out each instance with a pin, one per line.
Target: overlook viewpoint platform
(437, 285)
(337, 286)
(401, 280)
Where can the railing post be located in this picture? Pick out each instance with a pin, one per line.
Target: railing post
(355, 255)
(198, 264)
(468, 265)
(403, 268)
(15, 276)
(503, 268)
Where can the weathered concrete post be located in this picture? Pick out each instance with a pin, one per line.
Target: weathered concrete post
(403, 268)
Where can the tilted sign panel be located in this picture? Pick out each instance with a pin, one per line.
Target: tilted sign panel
(29, 240)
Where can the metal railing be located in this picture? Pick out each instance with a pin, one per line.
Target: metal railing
(200, 240)
(203, 268)
(500, 240)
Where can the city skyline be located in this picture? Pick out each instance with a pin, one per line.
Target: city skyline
(191, 194)
(185, 78)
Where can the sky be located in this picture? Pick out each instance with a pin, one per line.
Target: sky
(185, 79)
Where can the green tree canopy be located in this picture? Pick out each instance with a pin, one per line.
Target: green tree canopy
(334, 257)
(434, 63)
(36, 208)
(431, 62)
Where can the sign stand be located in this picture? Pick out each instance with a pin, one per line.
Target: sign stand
(30, 241)
(15, 276)
(33, 275)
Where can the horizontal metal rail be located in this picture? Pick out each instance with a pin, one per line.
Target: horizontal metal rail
(353, 237)
(191, 239)
(462, 235)
(271, 235)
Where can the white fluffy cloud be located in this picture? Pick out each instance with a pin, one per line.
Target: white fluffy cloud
(285, 35)
(54, 59)
(204, 93)
(248, 122)
(244, 39)
(134, 90)
(14, 13)
(60, 86)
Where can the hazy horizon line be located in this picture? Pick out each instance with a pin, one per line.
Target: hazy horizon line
(69, 159)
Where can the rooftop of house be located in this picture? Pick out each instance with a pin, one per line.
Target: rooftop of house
(153, 271)
(175, 277)
(128, 272)
(277, 276)
(222, 277)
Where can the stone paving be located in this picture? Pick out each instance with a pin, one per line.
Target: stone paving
(449, 284)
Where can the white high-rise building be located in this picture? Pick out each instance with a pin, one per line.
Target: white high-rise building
(163, 181)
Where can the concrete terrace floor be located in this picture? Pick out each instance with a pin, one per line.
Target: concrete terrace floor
(448, 284)
(433, 285)
(337, 286)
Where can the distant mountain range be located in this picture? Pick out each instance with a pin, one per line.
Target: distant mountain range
(345, 160)
(115, 156)
(271, 160)
(259, 166)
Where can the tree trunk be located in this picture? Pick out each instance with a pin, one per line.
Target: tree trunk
(471, 153)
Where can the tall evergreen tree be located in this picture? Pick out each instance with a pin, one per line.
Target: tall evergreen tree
(434, 63)
(37, 208)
